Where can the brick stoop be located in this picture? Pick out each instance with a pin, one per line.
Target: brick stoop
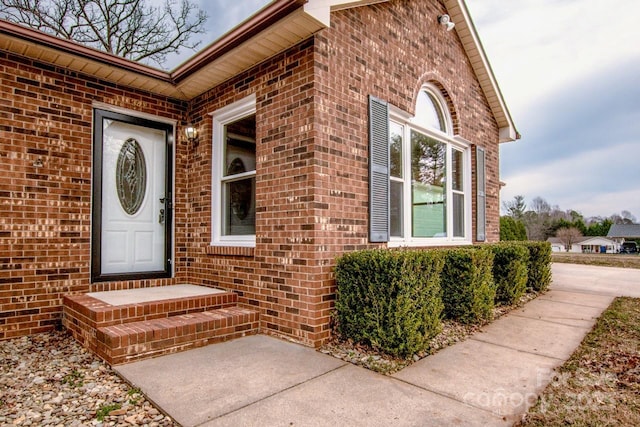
(128, 342)
(123, 333)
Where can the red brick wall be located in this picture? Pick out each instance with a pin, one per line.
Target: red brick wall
(45, 211)
(389, 51)
(311, 174)
(279, 276)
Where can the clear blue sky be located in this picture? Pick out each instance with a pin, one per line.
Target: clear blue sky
(570, 73)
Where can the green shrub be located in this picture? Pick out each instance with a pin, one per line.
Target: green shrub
(539, 266)
(390, 299)
(512, 229)
(509, 271)
(468, 292)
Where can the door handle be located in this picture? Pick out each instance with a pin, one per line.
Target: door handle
(161, 217)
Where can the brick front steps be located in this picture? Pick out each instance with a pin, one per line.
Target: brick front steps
(138, 330)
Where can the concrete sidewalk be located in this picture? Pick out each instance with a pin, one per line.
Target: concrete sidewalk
(488, 380)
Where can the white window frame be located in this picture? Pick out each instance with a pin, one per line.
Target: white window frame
(408, 123)
(221, 118)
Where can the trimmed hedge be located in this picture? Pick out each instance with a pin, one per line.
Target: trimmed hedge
(468, 291)
(509, 271)
(394, 300)
(539, 266)
(390, 299)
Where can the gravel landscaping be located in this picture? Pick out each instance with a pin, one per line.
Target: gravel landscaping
(50, 380)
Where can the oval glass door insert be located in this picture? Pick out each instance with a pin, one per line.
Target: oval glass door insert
(131, 176)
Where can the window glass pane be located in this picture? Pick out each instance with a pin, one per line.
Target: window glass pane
(457, 170)
(238, 195)
(480, 196)
(457, 185)
(458, 215)
(240, 146)
(239, 204)
(395, 149)
(428, 112)
(396, 209)
(428, 191)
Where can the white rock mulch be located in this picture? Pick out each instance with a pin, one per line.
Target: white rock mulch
(50, 380)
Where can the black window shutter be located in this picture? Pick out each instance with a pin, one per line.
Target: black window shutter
(378, 170)
(481, 204)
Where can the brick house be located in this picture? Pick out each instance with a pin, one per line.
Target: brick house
(323, 126)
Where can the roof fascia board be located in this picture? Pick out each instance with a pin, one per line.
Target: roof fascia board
(28, 34)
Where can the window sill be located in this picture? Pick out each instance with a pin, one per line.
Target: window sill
(244, 251)
(428, 244)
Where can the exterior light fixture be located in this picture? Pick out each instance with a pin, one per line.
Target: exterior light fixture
(191, 132)
(445, 21)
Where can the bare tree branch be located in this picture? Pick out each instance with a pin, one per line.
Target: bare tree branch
(568, 236)
(128, 28)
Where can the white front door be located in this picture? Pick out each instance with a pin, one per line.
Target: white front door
(134, 209)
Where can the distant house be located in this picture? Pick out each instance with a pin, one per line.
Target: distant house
(587, 245)
(622, 232)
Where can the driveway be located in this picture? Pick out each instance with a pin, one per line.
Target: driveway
(611, 281)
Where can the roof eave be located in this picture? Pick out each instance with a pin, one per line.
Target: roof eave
(251, 27)
(475, 51)
(21, 32)
(191, 78)
(251, 42)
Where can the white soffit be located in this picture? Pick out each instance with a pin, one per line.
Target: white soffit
(286, 33)
(321, 9)
(72, 60)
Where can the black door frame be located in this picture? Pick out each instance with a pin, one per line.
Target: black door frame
(96, 206)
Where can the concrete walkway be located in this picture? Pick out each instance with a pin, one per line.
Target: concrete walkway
(488, 380)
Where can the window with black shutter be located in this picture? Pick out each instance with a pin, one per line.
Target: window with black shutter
(378, 170)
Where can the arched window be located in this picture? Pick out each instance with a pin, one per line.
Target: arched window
(429, 112)
(430, 171)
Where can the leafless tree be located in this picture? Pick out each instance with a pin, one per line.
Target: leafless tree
(628, 217)
(540, 206)
(132, 29)
(568, 236)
